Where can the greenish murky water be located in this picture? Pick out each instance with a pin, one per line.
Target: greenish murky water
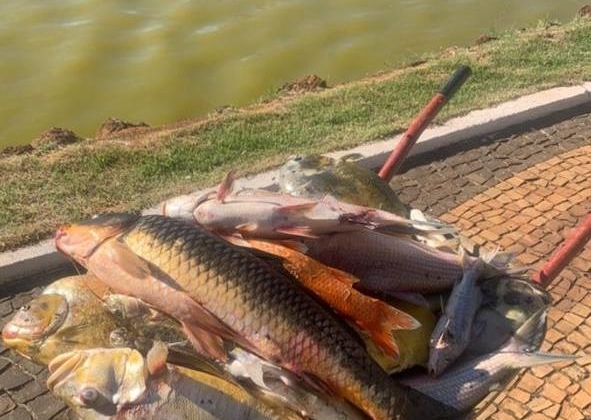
(74, 63)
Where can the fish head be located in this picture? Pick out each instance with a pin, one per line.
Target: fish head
(310, 164)
(515, 299)
(80, 240)
(442, 353)
(181, 207)
(34, 322)
(302, 174)
(98, 381)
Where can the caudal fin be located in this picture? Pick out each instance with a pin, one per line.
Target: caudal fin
(524, 360)
(385, 320)
(528, 338)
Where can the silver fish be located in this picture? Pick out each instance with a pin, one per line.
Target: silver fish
(467, 382)
(387, 264)
(265, 214)
(452, 332)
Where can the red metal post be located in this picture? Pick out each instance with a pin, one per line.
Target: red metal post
(568, 250)
(421, 121)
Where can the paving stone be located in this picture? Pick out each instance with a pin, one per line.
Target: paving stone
(564, 326)
(573, 388)
(46, 406)
(552, 411)
(6, 404)
(573, 319)
(560, 380)
(520, 396)
(568, 412)
(538, 404)
(530, 383)
(577, 293)
(4, 361)
(581, 400)
(28, 366)
(542, 371)
(514, 407)
(20, 413)
(586, 385)
(13, 377)
(29, 391)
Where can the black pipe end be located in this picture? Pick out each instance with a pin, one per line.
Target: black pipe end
(455, 82)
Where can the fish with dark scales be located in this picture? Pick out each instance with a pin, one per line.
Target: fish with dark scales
(221, 292)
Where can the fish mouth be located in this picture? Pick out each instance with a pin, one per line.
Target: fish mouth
(37, 320)
(12, 332)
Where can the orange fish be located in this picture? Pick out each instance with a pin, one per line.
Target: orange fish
(335, 287)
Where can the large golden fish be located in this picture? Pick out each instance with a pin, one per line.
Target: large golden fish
(78, 313)
(217, 290)
(68, 315)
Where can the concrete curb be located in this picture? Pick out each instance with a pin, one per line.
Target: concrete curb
(42, 258)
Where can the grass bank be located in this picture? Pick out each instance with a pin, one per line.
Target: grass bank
(52, 185)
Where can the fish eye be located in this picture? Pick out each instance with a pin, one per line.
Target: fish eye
(25, 308)
(88, 396)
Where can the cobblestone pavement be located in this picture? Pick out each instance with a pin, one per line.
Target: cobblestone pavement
(523, 191)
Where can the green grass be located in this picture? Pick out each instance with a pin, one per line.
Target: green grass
(47, 187)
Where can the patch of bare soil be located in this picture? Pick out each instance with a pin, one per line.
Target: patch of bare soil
(311, 83)
(585, 11)
(116, 126)
(56, 136)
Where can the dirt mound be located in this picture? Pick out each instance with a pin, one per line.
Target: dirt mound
(56, 136)
(115, 125)
(310, 83)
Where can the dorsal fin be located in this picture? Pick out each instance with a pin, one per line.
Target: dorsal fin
(226, 185)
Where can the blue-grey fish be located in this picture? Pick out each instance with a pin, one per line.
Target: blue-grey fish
(452, 332)
(467, 382)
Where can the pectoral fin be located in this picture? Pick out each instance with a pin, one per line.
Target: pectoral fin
(303, 231)
(115, 264)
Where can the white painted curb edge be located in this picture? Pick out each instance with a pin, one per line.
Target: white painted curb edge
(43, 258)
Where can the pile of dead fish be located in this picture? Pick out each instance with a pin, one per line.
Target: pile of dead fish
(328, 300)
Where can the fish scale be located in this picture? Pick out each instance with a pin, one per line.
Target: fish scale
(229, 281)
